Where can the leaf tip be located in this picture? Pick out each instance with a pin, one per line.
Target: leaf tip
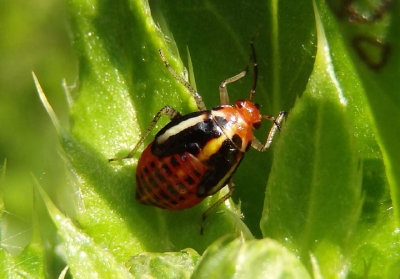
(46, 104)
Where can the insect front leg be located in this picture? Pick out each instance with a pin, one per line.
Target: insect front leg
(199, 101)
(168, 111)
(231, 187)
(256, 144)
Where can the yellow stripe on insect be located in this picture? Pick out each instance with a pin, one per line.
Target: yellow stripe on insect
(211, 148)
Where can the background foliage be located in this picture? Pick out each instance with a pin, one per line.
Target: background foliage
(331, 179)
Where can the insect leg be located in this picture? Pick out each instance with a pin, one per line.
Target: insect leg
(256, 144)
(223, 92)
(167, 110)
(181, 80)
(231, 186)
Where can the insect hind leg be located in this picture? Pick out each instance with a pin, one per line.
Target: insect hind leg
(231, 186)
(167, 110)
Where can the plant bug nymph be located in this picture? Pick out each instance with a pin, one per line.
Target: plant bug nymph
(195, 155)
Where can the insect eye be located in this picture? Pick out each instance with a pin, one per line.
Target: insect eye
(257, 106)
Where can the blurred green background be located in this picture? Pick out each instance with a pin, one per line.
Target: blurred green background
(34, 36)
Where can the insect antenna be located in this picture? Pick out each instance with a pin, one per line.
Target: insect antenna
(255, 70)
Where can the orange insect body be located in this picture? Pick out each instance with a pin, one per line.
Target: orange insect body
(195, 155)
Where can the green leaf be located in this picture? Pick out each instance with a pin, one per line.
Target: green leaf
(85, 257)
(30, 263)
(314, 191)
(381, 86)
(377, 253)
(264, 258)
(326, 156)
(164, 265)
(375, 243)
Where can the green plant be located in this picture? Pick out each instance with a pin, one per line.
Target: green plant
(331, 180)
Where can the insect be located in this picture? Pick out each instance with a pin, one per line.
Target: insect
(195, 155)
